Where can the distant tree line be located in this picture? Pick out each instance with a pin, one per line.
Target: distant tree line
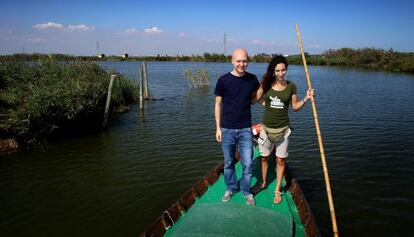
(378, 59)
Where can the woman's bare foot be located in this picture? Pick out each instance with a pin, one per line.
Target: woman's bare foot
(278, 197)
(263, 185)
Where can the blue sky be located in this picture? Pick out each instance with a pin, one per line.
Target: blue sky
(150, 27)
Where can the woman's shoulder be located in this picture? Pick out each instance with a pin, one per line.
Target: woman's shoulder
(290, 84)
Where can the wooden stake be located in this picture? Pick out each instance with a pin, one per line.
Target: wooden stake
(141, 89)
(318, 132)
(146, 89)
(108, 101)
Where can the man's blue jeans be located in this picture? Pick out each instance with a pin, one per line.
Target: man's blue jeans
(231, 140)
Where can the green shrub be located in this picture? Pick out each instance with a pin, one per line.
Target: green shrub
(199, 79)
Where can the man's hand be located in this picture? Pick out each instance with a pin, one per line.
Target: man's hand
(218, 135)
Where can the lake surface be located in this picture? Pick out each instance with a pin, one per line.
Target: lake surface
(116, 182)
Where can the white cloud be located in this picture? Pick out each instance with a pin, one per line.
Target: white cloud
(36, 40)
(261, 42)
(181, 34)
(49, 25)
(6, 32)
(78, 27)
(314, 46)
(209, 40)
(131, 30)
(58, 26)
(233, 40)
(153, 30)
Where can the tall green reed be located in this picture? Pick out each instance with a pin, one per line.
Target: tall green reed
(198, 79)
(38, 98)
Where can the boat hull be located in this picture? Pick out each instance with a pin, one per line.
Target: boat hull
(164, 224)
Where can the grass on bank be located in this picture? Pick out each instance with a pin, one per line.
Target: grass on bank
(37, 99)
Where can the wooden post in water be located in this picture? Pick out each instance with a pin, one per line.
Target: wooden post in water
(141, 89)
(145, 75)
(108, 101)
(144, 93)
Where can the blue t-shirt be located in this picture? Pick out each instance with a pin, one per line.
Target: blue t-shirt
(236, 93)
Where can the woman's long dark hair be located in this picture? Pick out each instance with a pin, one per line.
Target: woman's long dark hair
(269, 77)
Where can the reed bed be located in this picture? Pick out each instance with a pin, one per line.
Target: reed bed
(38, 99)
(197, 78)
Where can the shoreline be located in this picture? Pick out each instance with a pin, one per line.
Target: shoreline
(371, 58)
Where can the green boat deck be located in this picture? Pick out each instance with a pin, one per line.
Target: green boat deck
(209, 216)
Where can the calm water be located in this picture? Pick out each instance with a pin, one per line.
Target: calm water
(115, 183)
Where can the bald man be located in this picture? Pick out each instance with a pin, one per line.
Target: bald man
(235, 92)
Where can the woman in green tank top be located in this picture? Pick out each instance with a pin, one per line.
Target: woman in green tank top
(276, 94)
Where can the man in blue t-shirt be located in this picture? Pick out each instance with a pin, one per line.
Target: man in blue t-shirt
(235, 92)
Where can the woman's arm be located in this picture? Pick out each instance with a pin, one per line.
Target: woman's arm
(298, 104)
(260, 96)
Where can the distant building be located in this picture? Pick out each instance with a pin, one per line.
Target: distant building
(124, 55)
(101, 55)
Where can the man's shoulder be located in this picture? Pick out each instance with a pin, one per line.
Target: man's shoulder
(253, 80)
(225, 76)
(228, 77)
(250, 75)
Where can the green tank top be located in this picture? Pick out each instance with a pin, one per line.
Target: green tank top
(277, 106)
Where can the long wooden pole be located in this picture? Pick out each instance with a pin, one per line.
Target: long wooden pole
(145, 73)
(318, 132)
(108, 101)
(141, 87)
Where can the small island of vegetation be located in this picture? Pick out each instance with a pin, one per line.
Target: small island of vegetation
(39, 99)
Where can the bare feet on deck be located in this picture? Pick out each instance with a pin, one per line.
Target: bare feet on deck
(278, 197)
